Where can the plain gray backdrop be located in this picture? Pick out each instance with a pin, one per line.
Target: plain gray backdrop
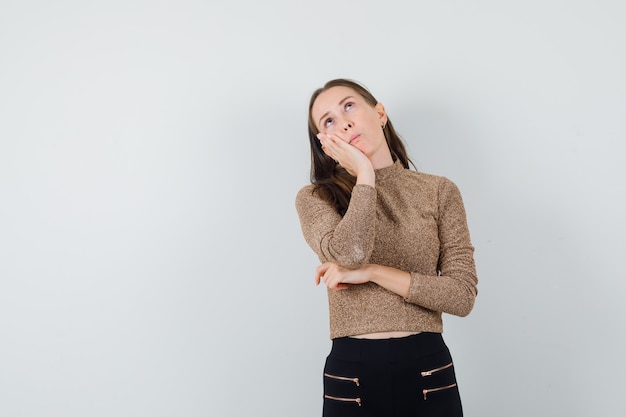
(151, 259)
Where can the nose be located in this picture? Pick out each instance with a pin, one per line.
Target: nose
(348, 125)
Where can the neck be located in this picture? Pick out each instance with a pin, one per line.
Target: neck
(381, 161)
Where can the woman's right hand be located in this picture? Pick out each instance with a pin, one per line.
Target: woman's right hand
(337, 277)
(349, 157)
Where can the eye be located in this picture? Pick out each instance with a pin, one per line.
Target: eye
(348, 106)
(328, 122)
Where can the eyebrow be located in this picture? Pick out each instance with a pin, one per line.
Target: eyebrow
(326, 114)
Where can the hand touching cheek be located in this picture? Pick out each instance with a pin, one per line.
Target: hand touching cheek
(346, 155)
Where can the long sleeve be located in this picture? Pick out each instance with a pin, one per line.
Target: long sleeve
(348, 240)
(454, 289)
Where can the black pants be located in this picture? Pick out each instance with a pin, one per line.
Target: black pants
(400, 377)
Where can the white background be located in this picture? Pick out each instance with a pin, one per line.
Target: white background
(151, 260)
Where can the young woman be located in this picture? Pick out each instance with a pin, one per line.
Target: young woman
(396, 254)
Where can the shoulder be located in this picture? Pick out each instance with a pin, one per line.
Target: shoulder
(423, 176)
(311, 196)
(430, 186)
(425, 180)
(307, 192)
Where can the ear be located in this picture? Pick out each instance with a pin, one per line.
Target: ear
(382, 114)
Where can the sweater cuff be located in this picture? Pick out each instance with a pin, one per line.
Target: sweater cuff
(362, 189)
(413, 289)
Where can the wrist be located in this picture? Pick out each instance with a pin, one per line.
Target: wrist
(366, 176)
(370, 273)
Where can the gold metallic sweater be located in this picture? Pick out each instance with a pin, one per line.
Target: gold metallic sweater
(411, 221)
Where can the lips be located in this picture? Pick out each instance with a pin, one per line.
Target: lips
(353, 138)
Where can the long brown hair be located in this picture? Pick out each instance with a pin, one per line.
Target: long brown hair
(331, 179)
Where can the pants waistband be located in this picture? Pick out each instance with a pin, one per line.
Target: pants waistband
(393, 349)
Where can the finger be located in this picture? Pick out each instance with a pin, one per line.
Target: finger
(334, 144)
(330, 283)
(326, 150)
(338, 286)
(317, 279)
(333, 281)
(333, 148)
(333, 137)
(319, 273)
(337, 148)
(326, 139)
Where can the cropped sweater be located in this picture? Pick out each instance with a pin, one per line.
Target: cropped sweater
(411, 221)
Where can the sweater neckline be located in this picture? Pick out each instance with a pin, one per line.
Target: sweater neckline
(388, 172)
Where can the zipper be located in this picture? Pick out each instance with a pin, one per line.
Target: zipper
(428, 391)
(432, 371)
(343, 378)
(353, 400)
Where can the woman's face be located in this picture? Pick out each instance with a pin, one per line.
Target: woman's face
(342, 112)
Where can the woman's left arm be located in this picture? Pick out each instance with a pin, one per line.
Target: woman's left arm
(453, 290)
(440, 293)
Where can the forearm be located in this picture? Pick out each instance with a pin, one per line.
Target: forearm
(366, 177)
(449, 294)
(441, 293)
(347, 240)
(392, 279)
